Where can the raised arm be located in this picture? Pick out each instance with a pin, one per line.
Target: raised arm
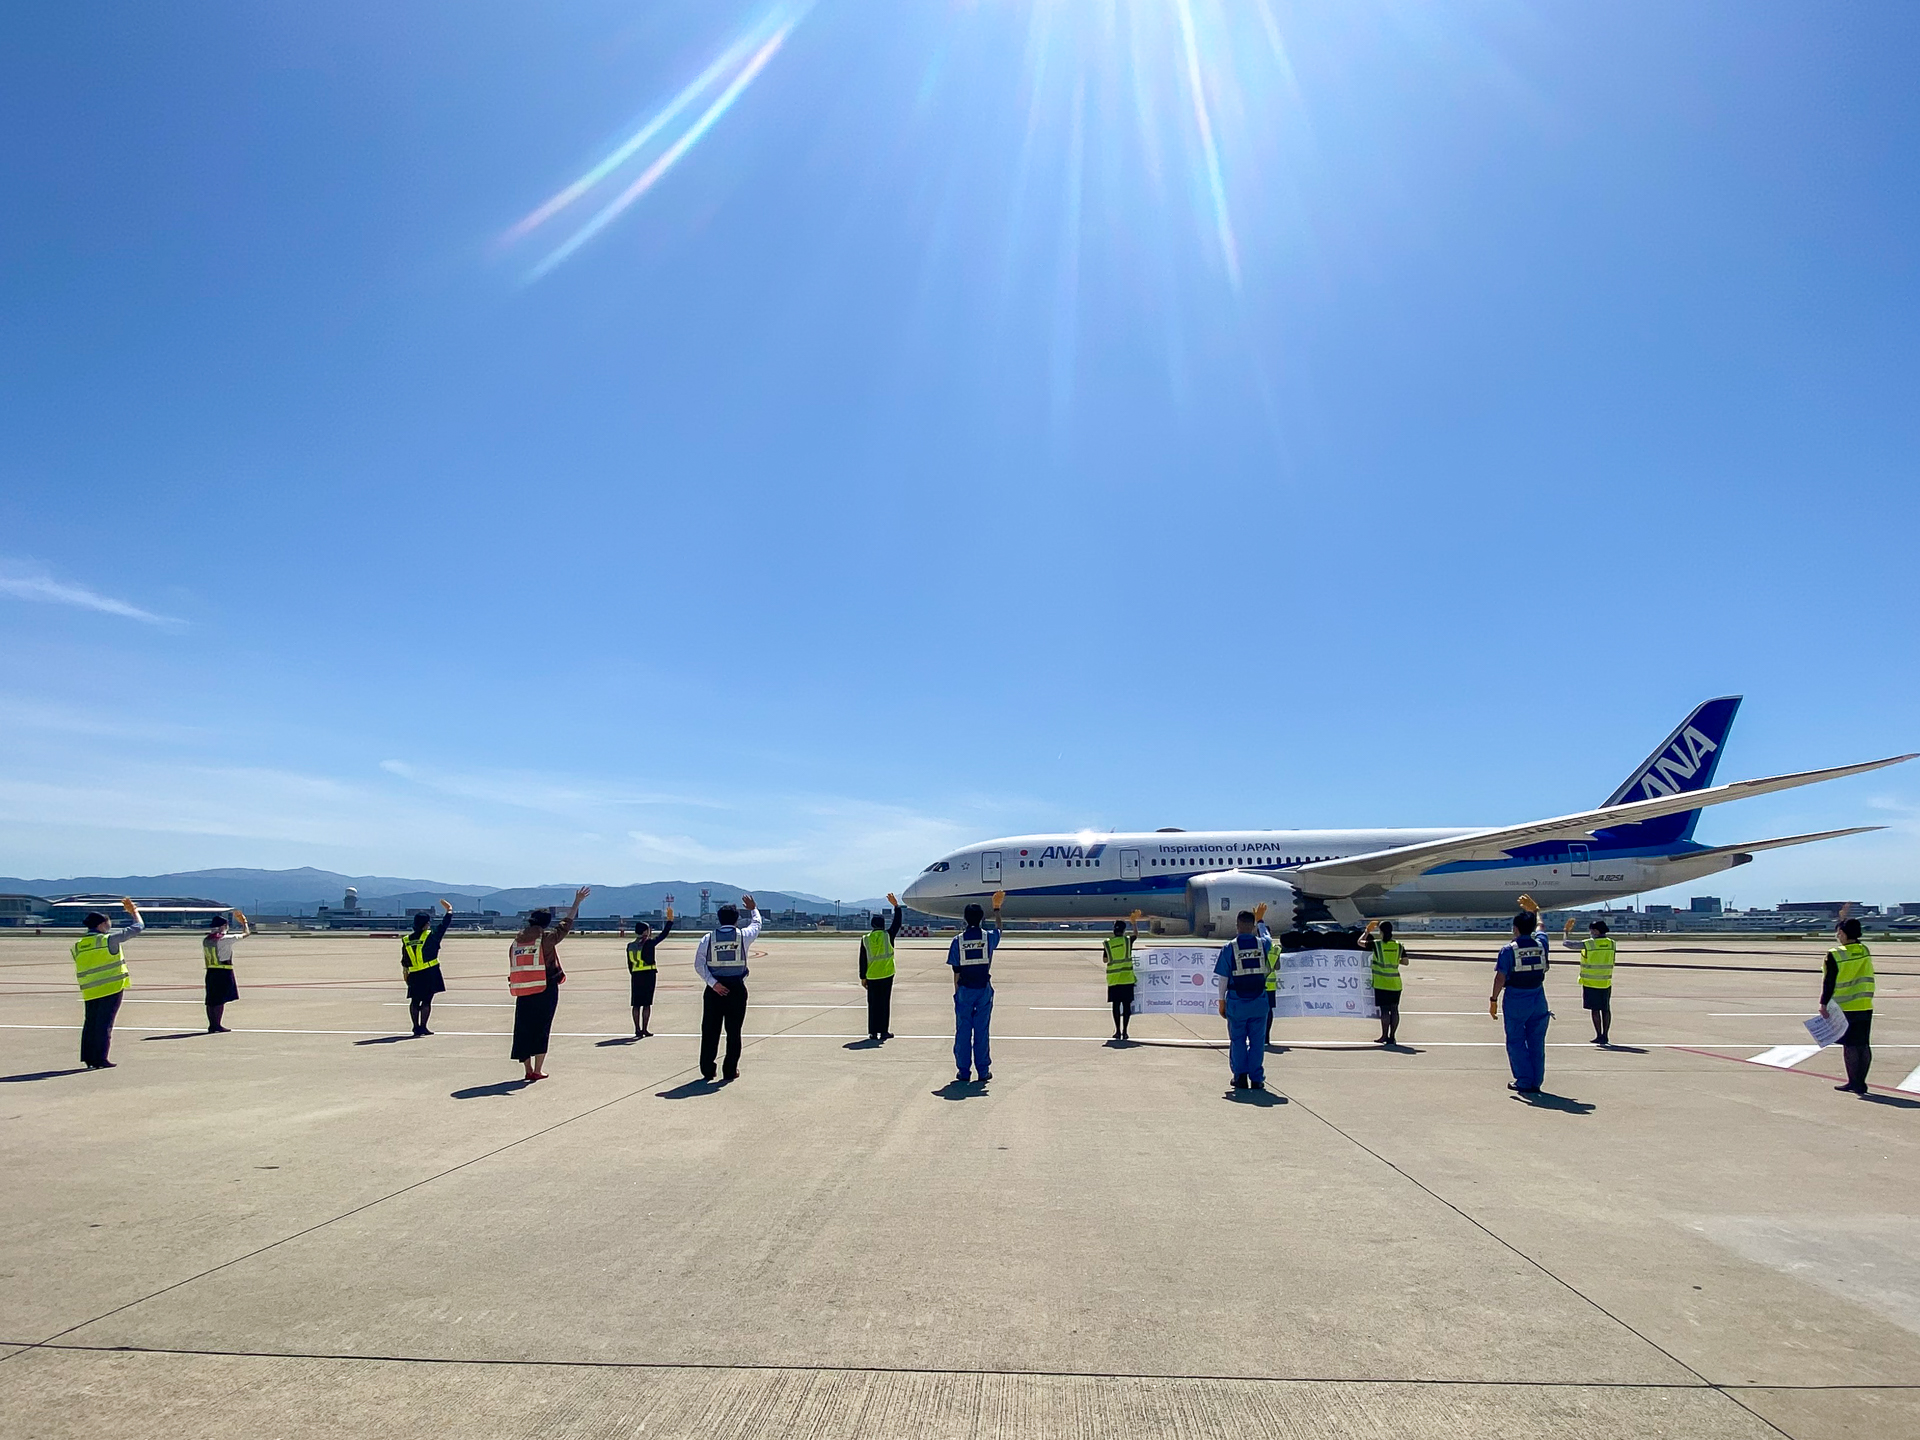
(899, 916)
(751, 932)
(565, 927)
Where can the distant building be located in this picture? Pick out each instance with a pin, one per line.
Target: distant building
(1659, 910)
(23, 910)
(1820, 909)
(1703, 905)
(161, 912)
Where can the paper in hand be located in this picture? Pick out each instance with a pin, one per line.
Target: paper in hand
(1829, 1025)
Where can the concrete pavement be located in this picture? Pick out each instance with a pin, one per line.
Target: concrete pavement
(317, 1224)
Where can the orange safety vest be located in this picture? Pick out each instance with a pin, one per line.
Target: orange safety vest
(526, 971)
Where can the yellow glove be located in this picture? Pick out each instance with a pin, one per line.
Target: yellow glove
(1527, 902)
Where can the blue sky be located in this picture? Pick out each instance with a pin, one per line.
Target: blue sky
(1007, 415)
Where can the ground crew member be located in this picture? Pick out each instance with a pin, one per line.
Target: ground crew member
(720, 960)
(876, 971)
(645, 970)
(534, 978)
(1596, 975)
(1848, 979)
(217, 951)
(1388, 957)
(970, 953)
(1273, 971)
(1117, 950)
(1242, 976)
(1521, 971)
(420, 966)
(100, 966)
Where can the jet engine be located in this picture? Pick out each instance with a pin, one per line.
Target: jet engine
(1213, 900)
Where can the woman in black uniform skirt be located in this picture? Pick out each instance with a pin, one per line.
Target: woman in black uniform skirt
(533, 1014)
(420, 966)
(217, 951)
(645, 970)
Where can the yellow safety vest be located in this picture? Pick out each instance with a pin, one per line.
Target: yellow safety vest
(1853, 977)
(99, 971)
(210, 953)
(879, 948)
(414, 950)
(1273, 969)
(637, 960)
(1387, 961)
(1596, 963)
(1120, 960)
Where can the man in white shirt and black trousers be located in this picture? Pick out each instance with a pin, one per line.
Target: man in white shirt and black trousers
(721, 962)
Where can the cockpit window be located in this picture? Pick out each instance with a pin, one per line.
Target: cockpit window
(936, 866)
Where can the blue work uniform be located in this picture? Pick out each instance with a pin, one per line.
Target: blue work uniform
(971, 955)
(1524, 1009)
(1243, 965)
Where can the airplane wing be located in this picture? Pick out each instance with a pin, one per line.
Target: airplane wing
(1383, 869)
(1785, 841)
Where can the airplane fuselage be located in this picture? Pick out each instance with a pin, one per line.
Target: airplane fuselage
(1186, 879)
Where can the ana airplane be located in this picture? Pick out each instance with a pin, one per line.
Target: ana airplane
(1193, 882)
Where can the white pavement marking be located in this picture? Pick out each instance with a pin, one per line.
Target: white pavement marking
(1911, 1084)
(1756, 1015)
(1785, 1057)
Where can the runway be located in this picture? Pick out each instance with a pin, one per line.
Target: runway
(318, 1225)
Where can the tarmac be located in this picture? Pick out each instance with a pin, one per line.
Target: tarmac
(318, 1225)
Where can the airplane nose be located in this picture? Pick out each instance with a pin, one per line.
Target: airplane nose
(914, 893)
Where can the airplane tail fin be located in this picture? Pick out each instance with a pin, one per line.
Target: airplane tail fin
(1684, 761)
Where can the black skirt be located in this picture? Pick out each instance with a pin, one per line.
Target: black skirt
(1120, 994)
(220, 987)
(424, 984)
(643, 981)
(1597, 997)
(533, 1022)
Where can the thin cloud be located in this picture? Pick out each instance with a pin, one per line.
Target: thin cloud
(28, 583)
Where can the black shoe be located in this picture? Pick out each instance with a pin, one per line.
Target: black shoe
(1514, 1085)
(1239, 1082)
(886, 1034)
(707, 1075)
(986, 1075)
(1118, 1036)
(963, 1078)
(726, 1079)
(218, 1030)
(646, 1034)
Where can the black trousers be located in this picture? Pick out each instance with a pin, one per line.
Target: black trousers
(1266, 1036)
(1856, 1046)
(96, 1031)
(880, 1006)
(730, 1010)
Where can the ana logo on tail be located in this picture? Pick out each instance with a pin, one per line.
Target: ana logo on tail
(1674, 766)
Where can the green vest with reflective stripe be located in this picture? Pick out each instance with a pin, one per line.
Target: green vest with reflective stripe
(99, 971)
(210, 953)
(1273, 969)
(1853, 977)
(1386, 965)
(414, 950)
(1596, 963)
(1119, 960)
(637, 960)
(879, 947)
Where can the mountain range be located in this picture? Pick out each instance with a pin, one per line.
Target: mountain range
(284, 891)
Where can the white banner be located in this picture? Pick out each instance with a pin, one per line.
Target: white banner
(1175, 981)
(1178, 980)
(1327, 982)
